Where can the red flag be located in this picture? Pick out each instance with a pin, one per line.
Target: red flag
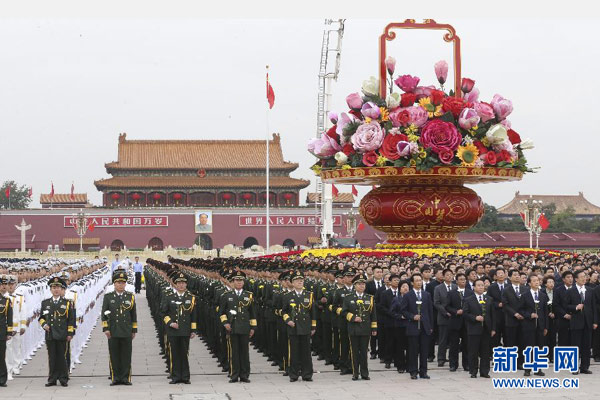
(354, 191)
(72, 191)
(334, 190)
(361, 226)
(91, 227)
(522, 216)
(7, 192)
(270, 93)
(30, 192)
(52, 191)
(374, 187)
(543, 221)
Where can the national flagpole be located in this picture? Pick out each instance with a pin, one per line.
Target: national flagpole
(268, 193)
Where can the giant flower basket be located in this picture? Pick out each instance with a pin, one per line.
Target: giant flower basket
(418, 148)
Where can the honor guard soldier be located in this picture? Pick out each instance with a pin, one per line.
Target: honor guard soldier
(6, 328)
(58, 320)
(359, 311)
(180, 318)
(237, 316)
(345, 362)
(119, 324)
(299, 313)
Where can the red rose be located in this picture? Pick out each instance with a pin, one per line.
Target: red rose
(446, 155)
(482, 149)
(400, 117)
(504, 155)
(514, 137)
(454, 105)
(437, 96)
(490, 158)
(348, 149)
(389, 147)
(369, 158)
(332, 134)
(407, 99)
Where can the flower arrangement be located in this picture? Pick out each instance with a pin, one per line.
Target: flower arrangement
(482, 303)
(421, 127)
(431, 252)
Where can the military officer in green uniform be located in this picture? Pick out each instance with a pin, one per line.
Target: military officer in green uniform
(119, 324)
(237, 315)
(180, 319)
(6, 328)
(299, 313)
(345, 361)
(359, 311)
(57, 318)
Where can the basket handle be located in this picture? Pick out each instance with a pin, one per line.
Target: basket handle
(389, 35)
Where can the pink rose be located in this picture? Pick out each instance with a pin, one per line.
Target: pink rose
(405, 148)
(367, 137)
(506, 123)
(400, 117)
(441, 71)
(468, 118)
(370, 110)
(472, 96)
(407, 83)
(418, 116)
(354, 101)
(438, 135)
(390, 64)
(502, 107)
(446, 155)
(323, 148)
(333, 117)
(485, 111)
(423, 91)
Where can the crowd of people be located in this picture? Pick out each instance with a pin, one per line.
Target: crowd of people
(392, 308)
(405, 311)
(24, 285)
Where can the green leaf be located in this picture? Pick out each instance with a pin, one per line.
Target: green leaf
(448, 117)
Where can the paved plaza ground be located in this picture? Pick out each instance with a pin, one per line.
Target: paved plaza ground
(89, 379)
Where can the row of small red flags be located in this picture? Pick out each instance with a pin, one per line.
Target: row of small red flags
(30, 192)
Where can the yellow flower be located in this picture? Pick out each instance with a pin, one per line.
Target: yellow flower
(413, 138)
(367, 120)
(413, 163)
(346, 166)
(411, 129)
(385, 114)
(316, 169)
(359, 302)
(468, 155)
(422, 153)
(432, 109)
(292, 305)
(473, 131)
(485, 142)
(381, 160)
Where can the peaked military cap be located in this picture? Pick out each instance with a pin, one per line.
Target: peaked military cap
(56, 281)
(238, 275)
(361, 277)
(119, 276)
(297, 275)
(179, 277)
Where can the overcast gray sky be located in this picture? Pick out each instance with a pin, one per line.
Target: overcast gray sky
(69, 87)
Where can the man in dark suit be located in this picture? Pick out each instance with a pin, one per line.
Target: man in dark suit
(534, 309)
(440, 301)
(392, 325)
(511, 303)
(381, 339)
(372, 287)
(581, 305)
(417, 308)
(563, 316)
(429, 285)
(480, 327)
(457, 328)
(495, 292)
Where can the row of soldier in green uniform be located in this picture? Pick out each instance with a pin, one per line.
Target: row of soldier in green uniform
(278, 315)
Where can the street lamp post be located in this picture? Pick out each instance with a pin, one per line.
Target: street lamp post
(351, 222)
(81, 226)
(531, 219)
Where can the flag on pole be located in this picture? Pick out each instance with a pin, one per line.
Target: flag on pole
(30, 193)
(72, 191)
(354, 191)
(334, 190)
(52, 191)
(7, 192)
(543, 221)
(270, 92)
(91, 227)
(522, 216)
(361, 226)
